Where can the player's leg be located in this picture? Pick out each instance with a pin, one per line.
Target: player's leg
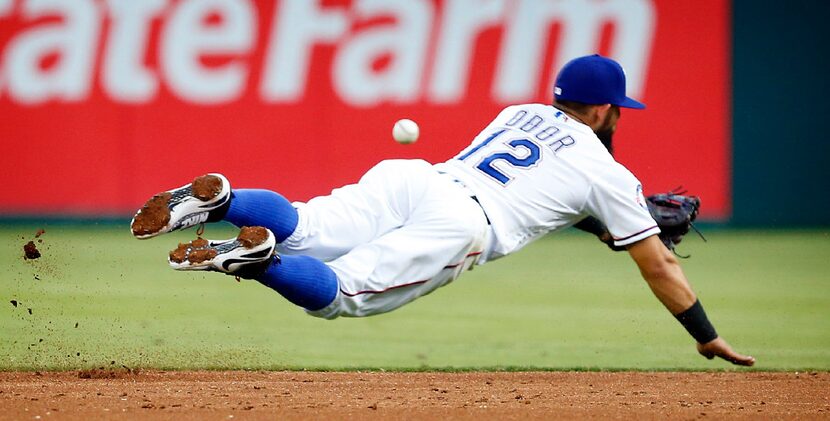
(259, 207)
(383, 199)
(330, 226)
(326, 227)
(305, 281)
(442, 238)
(445, 231)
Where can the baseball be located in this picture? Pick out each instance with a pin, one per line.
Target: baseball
(405, 131)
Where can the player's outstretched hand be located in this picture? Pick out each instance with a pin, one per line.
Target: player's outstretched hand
(719, 348)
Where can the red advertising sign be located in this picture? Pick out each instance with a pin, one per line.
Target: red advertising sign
(105, 102)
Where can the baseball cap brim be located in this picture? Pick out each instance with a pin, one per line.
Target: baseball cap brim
(631, 103)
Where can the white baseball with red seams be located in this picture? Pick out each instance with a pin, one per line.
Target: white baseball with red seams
(405, 131)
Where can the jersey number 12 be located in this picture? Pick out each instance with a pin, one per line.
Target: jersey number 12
(532, 153)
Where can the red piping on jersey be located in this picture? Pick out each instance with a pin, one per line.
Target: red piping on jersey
(635, 234)
(404, 285)
(383, 290)
(461, 262)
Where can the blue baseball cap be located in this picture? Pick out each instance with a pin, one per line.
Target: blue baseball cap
(593, 79)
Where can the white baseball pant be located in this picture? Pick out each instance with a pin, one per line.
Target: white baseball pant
(401, 232)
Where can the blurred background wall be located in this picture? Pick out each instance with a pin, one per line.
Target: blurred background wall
(781, 159)
(105, 102)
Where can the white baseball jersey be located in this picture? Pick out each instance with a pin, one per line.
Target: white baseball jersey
(534, 170)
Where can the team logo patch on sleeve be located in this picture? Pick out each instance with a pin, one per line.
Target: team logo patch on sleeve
(641, 200)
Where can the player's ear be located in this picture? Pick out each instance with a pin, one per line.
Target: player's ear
(603, 110)
(598, 114)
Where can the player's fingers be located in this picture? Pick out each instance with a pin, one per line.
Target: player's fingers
(729, 355)
(738, 359)
(719, 348)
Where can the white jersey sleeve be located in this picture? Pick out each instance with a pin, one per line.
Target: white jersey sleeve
(618, 202)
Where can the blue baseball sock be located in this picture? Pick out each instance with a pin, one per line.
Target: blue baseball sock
(266, 208)
(303, 280)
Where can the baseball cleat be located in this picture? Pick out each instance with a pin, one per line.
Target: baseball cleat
(247, 256)
(181, 208)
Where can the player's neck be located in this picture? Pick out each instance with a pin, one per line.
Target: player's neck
(571, 113)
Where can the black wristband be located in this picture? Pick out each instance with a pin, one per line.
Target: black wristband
(697, 324)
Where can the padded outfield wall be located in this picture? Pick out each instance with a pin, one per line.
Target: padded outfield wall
(104, 102)
(781, 147)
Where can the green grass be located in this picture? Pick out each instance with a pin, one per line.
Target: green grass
(564, 302)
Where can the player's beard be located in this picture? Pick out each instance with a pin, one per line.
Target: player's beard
(605, 136)
(609, 126)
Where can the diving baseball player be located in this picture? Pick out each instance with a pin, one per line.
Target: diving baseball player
(409, 227)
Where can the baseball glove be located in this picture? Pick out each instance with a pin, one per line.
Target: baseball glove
(674, 214)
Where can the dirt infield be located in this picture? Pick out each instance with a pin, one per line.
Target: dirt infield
(156, 395)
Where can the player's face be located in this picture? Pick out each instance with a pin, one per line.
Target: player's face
(611, 118)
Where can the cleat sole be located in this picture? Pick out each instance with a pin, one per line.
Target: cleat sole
(154, 217)
(195, 252)
(200, 250)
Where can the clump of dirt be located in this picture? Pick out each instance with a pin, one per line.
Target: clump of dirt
(201, 255)
(206, 187)
(179, 255)
(108, 373)
(252, 236)
(30, 251)
(196, 251)
(153, 216)
(16, 303)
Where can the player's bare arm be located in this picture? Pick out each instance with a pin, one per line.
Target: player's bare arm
(664, 276)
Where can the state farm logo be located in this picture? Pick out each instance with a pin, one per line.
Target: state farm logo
(219, 51)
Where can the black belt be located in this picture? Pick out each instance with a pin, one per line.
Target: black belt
(482, 209)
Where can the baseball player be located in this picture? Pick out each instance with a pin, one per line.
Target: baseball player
(409, 227)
